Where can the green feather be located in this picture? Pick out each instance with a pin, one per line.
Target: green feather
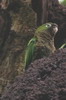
(41, 28)
(30, 51)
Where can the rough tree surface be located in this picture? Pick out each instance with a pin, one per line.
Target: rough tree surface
(44, 80)
(22, 30)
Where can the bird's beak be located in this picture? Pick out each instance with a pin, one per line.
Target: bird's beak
(55, 29)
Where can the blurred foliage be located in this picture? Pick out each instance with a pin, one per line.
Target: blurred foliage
(63, 2)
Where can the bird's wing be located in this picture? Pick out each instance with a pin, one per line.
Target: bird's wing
(30, 52)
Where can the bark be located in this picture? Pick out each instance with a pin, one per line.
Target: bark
(44, 80)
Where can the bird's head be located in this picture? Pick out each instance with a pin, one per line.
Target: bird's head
(52, 27)
(46, 33)
(47, 30)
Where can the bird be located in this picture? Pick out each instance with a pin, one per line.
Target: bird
(42, 43)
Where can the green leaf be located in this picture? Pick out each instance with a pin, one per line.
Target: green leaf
(63, 46)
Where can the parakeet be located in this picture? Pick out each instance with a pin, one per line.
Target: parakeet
(42, 43)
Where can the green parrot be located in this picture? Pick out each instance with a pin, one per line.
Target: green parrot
(42, 44)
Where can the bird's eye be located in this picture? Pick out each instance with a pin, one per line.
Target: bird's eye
(48, 25)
